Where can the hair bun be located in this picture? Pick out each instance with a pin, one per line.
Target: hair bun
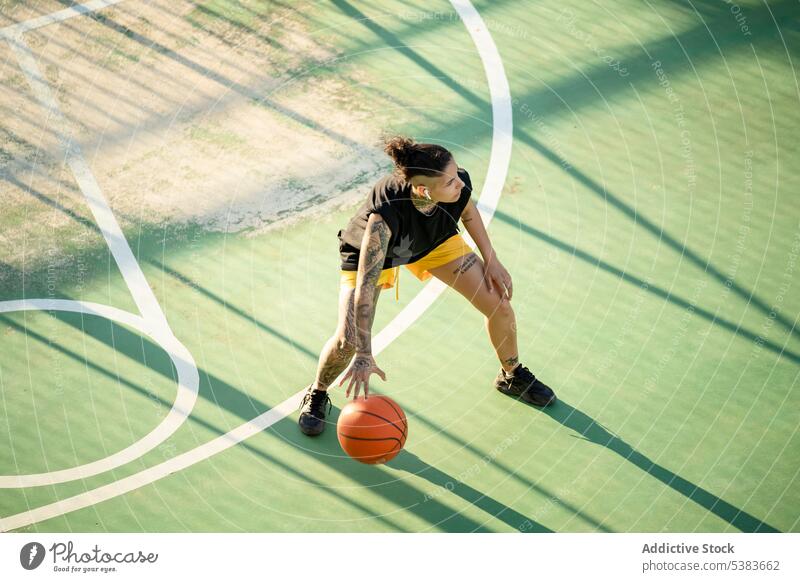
(412, 158)
(399, 148)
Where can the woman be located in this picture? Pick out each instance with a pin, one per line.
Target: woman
(410, 218)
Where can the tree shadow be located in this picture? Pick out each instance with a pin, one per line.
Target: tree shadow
(605, 81)
(232, 308)
(382, 480)
(669, 296)
(155, 358)
(693, 257)
(255, 95)
(222, 80)
(246, 406)
(592, 431)
(513, 473)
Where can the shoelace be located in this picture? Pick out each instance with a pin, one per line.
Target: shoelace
(522, 373)
(318, 399)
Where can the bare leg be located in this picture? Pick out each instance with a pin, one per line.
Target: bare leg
(465, 275)
(502, 328)
(340, 348)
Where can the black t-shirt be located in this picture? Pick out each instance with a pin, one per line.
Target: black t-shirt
(414, 234)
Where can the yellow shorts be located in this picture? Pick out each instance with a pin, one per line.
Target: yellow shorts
(450, 250)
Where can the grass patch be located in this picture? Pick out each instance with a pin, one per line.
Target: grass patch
(216, 136)
(242, 15)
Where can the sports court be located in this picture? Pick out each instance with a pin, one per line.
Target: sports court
(173, 175)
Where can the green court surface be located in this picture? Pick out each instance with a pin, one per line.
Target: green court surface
(649, 217)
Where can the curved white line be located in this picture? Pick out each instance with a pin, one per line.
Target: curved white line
(188, 382)
(106, 221)
(502, 138)
(152, 321)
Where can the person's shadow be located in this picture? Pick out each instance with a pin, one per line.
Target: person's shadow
(592, 431)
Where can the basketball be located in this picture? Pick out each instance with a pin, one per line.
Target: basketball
(372, 430)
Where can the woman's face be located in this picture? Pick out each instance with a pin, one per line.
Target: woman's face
(444, 188)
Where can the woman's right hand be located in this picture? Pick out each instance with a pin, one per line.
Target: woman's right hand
(362, 366)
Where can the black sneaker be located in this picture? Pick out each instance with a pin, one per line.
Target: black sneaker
(313, 411)
(524, 385)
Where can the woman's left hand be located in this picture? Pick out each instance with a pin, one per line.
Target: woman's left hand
(496, 277)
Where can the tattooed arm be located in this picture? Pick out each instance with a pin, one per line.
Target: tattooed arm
(370, 263)
(495, 274)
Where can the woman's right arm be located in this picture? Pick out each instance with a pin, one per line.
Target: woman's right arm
(370, 264)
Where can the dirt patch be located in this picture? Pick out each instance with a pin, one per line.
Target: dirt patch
(221, 114)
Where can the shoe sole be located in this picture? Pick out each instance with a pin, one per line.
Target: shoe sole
(311, 433)
(520, 397)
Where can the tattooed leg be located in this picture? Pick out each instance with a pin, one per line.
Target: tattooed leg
(510, 363)
(464, 266)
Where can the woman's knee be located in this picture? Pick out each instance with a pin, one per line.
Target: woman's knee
(496, 306)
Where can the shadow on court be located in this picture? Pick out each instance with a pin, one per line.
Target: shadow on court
(398, 493)
(428, 505)
(513, 473)
(699, 43)
(670, 296)
(592, 431)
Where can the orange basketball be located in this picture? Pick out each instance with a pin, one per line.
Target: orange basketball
(372, 430)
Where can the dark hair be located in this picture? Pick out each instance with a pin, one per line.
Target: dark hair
(414, 159)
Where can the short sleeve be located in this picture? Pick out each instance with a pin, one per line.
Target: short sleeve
(466, 193)
(382, 204)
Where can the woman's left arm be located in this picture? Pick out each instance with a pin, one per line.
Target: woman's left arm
(495, 274)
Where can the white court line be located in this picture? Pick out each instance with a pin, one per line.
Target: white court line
(152, 321)
(502, 139)
(187, 376)
(106, 221)
(23, 27)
